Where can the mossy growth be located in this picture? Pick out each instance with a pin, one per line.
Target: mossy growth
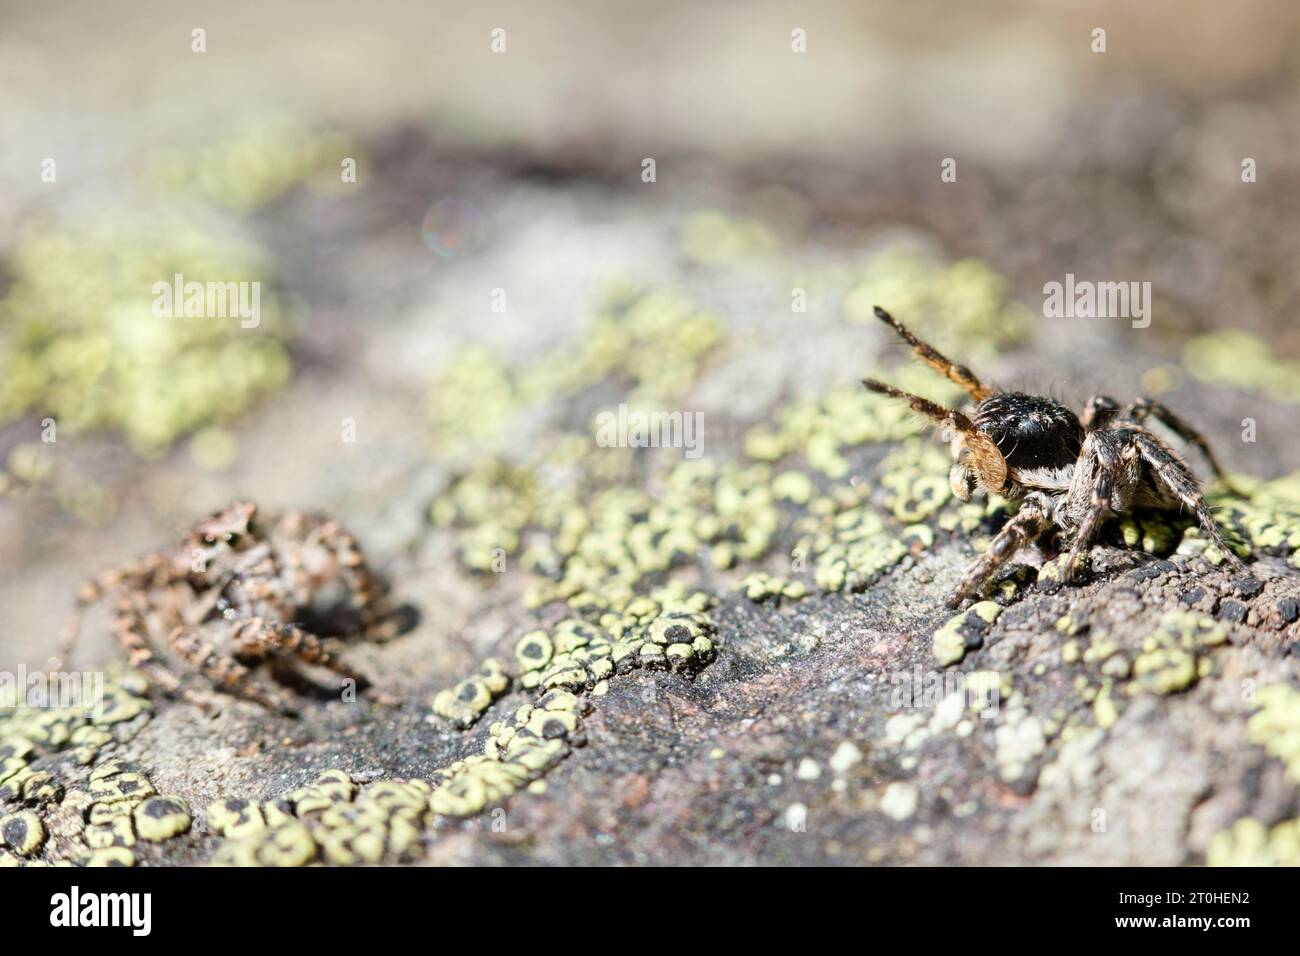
(1251, 843)
(248, 169)
(1275, 725)
(79, 340)
(1234, 358)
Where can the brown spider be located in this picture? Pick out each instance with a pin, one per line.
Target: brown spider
(231, 597)
(1066, 471)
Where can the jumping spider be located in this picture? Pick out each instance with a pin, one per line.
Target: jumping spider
(1069, 472)
(231, 596)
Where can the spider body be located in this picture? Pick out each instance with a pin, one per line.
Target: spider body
(1068, 471)
(234, 595)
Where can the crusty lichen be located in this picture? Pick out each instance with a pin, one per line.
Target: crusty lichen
(963, 308)
(964, 632)
(468, 699)
(44, 755)
(247, 169)
(334, 821)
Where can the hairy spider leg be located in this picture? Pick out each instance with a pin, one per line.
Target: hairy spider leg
(1176, 476)
(1138, 411)
(1027, 524)
(957, 374)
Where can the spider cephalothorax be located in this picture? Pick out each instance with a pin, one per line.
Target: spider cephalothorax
(1067, 471)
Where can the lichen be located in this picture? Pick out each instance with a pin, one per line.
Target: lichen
(1250, 843)
(1234, 358)
(1275, 725)
(464, 703)
(334, 821)
(79, 341)
(964, 632)
(248, 169)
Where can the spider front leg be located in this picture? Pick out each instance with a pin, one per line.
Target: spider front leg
(1138, 411)
(1175, 476)
(225, 672)
(1027, 524)
(257, 639)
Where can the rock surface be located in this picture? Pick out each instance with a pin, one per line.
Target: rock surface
(811, 705)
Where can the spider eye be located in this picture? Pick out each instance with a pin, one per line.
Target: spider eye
(209, 539)
(229, 537)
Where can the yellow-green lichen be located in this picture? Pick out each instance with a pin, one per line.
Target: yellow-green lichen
(22, 832)
(80, 340)
(760, 586)
(1234, 358)
(465, 702)
(1250, 843)
(331, 820)
(652, 342)
(248, 169)
(161, 818)
(335, 821)
(714, 237)
(1275, 725)
(963, 632)
(1171, 656)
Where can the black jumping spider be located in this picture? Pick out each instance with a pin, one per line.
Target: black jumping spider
(1067, 471)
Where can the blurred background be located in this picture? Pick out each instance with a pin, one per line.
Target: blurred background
(522, 170)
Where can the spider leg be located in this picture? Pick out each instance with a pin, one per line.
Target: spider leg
(257, 639)
(364, 588)
(224, 671)
(1105, 460)
(95, 590)
(1027, 524)
(937, 413)
(957, 374)
(1138, 411)
(982, 452)
(1098, 412)
(131, 630)
(1174, 475)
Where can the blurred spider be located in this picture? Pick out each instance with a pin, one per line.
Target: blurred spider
(236, 593)
(1067, 471)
